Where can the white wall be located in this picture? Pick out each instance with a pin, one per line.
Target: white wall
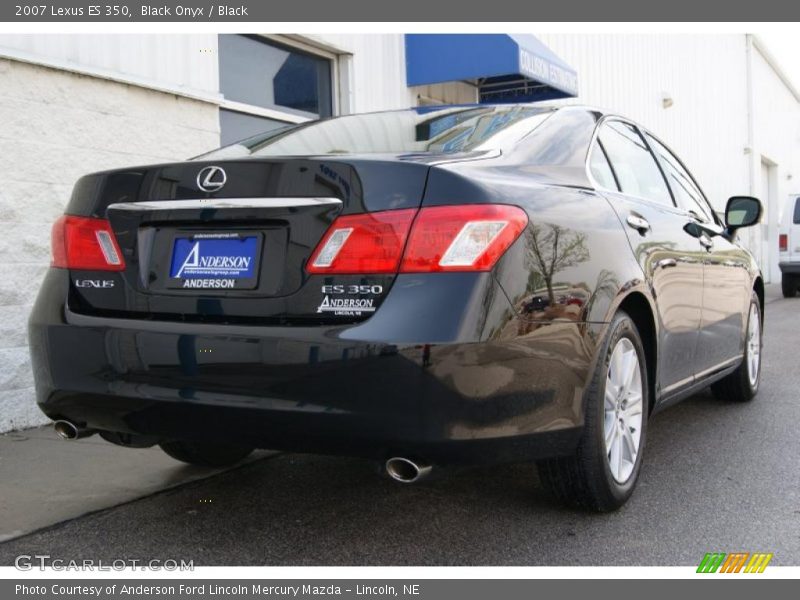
(706, 77)
(57, 126)
(378, 74)
(776, 142)
(187, 63)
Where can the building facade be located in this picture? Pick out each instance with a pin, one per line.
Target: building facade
(72, 104)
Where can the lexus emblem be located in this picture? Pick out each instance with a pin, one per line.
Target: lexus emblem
(211, 179)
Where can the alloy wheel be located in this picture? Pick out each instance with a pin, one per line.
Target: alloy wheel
(753, 345)
(623, 410)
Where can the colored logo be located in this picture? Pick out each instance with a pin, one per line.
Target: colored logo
(736, 562)
(198, 258)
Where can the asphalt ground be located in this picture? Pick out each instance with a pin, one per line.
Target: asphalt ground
(717, 477)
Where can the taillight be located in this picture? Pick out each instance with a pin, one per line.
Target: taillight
(366, 243)
(86, 244)
(461, 238)
(783, 242)
(442, 238)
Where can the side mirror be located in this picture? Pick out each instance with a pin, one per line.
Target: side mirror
(742, 211)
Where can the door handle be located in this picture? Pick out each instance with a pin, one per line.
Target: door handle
(640, 224)
(706, 241)
(665, 263)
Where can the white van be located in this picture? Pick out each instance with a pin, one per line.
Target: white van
(789, 246)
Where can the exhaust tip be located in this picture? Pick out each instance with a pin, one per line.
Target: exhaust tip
(406, 470)
(66, 429)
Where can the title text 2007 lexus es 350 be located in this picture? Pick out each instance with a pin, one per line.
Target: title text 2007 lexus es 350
(435, 286)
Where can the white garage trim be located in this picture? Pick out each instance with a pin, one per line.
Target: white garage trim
(109, 75)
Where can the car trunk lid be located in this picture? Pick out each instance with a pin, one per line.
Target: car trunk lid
(238, 253)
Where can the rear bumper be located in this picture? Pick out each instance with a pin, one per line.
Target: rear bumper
(792, 268)
(333, 390)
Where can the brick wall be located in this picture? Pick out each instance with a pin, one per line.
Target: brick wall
(54, 127)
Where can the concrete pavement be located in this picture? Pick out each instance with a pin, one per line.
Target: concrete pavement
(45, 480)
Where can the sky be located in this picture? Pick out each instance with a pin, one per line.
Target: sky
(786, 50)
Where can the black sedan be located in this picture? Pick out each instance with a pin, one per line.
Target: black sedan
(436, 286)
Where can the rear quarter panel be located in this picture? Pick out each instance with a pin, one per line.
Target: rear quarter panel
(564, 279)
(573, 262)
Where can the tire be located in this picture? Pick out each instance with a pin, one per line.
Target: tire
(586, 480)
(742, 384)
(789, 285)
(205, 454)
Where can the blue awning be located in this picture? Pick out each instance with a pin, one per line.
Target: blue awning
(506, 68)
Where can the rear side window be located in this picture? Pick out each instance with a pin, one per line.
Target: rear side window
(797, 211)
(601, 170)
(633, 163)
(685, 190)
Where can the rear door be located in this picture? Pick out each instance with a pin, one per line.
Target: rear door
(726, 289)
(671, 259)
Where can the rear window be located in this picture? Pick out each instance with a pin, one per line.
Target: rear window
(797, 211)
(426, 129)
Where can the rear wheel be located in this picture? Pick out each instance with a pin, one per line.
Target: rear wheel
(789, 285)
(602, 474)
(742, 384)
(205, 454)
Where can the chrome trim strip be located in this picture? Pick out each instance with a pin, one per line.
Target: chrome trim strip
(686, 381)
(698, 378)
(735, 360)
(217, 203)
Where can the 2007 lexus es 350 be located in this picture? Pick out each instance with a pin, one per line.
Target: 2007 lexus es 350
(441, 285)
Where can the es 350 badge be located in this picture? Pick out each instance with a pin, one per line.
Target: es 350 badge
(333, 303)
